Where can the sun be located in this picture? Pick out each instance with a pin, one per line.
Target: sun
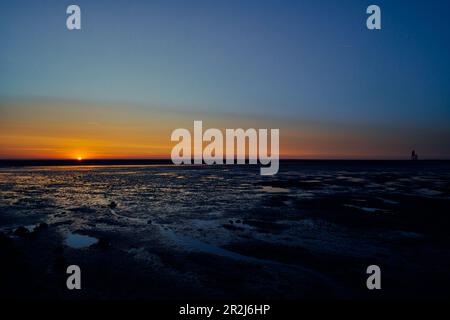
(79, 158)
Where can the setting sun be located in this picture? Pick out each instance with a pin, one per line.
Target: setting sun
(79, 158)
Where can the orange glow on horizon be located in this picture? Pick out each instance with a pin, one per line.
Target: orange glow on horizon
(63, 130)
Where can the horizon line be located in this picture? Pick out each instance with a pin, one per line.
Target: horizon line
(192, 159)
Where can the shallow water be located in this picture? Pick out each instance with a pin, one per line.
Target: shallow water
(78, 241)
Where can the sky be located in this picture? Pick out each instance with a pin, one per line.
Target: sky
(139, 69)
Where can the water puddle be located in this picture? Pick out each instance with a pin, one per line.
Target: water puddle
(388, 201)
(199, 246)
(196, 245)
(429, 192)
(274, 189)
(78, 241)
(31, 227)
(366, 209)
(138, 220)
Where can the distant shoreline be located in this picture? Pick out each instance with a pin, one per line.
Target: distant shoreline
(107, 162)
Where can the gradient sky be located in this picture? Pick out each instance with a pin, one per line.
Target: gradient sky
(310, 68)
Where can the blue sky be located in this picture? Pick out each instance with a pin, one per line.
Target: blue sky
(289, 59)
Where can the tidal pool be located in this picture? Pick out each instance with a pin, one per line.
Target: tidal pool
(78, 241)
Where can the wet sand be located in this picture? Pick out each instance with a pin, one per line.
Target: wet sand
(225, 232)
